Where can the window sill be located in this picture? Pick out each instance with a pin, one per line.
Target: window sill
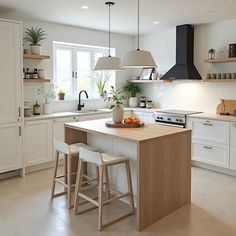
(76, 100)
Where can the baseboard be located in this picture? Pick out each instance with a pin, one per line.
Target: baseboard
(214, 168)
(11, 174)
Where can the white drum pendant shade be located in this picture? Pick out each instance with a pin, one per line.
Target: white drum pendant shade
(109, 64)
(138, 59)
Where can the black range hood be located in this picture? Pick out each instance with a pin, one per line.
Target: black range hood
(184, 68)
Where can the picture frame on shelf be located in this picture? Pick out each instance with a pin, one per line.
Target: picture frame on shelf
(146, 73)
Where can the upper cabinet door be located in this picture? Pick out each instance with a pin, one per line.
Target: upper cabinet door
(10, 71)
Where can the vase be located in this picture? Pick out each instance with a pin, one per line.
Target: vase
(42, 74)
(47, 108)
(117, 115)
(133, 102)
(35, 49)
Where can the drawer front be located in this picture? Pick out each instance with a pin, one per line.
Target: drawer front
(211, 153)
(233, 133)
(232, 163)
(210, 130)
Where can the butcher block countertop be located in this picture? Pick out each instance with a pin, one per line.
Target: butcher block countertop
(149, 131)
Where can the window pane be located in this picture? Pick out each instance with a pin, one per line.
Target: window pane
(64, 70)
(84, 72)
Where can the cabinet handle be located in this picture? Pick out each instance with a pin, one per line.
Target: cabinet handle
(76, 75)
(19, 110)
(73, 74)
(19, 130)
(208, 123)
(207, 147)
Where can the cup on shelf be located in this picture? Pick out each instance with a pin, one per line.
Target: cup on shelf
(213, 76)
(224, 76)
(218, 76)
(229, 76)
(42, 74)
(234, 75)
(208, 76)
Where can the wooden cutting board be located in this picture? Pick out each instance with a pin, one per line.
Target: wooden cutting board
(111, 124)
(226, 107)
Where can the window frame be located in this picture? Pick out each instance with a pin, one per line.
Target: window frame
(74, 48)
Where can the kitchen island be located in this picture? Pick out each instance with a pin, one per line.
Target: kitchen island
(160, 159)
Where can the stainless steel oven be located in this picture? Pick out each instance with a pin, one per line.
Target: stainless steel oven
(176, 118)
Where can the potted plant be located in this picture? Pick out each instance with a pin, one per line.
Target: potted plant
(132, 90)
(211, 53)
(116, 98)
(34, 36)
(101, 81)
(61, 95)
(48, 93)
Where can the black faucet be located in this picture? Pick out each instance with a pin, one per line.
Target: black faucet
(81, 105)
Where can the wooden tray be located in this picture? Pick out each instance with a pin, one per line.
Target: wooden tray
(111, 124)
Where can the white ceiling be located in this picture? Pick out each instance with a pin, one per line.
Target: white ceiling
(124, 14)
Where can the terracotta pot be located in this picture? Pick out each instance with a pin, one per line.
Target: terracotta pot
(35, 49)
(61, 96)
(117, 115)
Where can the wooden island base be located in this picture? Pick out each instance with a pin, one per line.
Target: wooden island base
(160, 163)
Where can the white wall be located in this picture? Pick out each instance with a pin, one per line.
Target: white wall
(65, 33)
(193, 95)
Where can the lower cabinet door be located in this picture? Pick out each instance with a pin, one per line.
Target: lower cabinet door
(95, 116)
(232, 158)
(10, 147)
(210, 153)
(38, 142)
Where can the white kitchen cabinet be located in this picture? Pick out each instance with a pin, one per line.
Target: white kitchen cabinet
(233, 157)
(211, 153)
(210, 130)
(10, 96)
(233, 133)
(146, 117)
(10, 147)
(38, 142)
(11, 72)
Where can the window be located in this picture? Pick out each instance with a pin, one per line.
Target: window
(73, 68)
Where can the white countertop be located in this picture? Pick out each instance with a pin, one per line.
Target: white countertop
(214, 116)
(69, 114)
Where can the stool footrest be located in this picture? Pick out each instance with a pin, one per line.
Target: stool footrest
(59, 194)
(116, 198)
(88, 199)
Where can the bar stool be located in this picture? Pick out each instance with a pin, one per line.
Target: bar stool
(102, 161)
(69, 151)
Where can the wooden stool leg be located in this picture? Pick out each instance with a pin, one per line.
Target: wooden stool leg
(65, 170)
(78, 185)
(69, 180)
(107, 183)
(100, 197)
(129, 182)
(54, 175)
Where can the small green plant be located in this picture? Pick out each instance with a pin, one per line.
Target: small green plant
(34, 35)
(48, 92)
(211, 51)
(61, 92)
(116, 97)
(101, 81)
(132, 89)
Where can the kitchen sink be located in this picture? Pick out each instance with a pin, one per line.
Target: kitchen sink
(87, 111)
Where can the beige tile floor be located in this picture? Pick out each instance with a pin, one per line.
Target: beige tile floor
(26, 210)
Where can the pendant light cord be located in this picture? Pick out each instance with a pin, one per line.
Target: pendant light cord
(109, 30)
(138, 27)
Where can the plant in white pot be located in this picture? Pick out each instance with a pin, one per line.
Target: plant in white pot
(34, 36)
(48, 92)
(116, 98)
(132, 90)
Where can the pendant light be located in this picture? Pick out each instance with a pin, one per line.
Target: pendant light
(138, 58)
(109, 63)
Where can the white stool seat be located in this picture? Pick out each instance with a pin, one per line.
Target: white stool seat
(74, 148)
(109, 159)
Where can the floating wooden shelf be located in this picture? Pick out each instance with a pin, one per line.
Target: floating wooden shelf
(221, 60)
(148, 81)
(35, 57)
(219, 80)
(36, 80)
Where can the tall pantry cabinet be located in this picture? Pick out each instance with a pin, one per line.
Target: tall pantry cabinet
(10, 96)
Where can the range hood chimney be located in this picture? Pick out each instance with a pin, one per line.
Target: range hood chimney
(184, 68)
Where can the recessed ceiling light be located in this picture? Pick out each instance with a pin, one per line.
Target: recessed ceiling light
(156, 22)
(85, 7)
